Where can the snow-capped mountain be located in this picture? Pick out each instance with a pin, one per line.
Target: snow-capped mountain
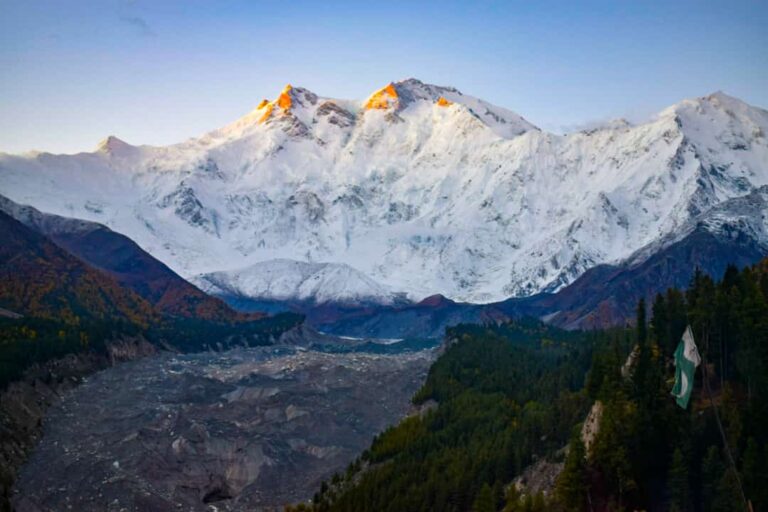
(734, 232)
(419, 187)
(289, 280)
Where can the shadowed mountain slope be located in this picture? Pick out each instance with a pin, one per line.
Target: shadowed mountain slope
(121, 258)
(39, 278)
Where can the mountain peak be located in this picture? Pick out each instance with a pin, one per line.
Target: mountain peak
(112, 145)
(410, 81)
(436, 300)
(720, 96)
(284, 101)
(732, 104)
(383, 99)
(297, 104)
(404, 93)
(718, 100)
(289, 98)
(400, 94)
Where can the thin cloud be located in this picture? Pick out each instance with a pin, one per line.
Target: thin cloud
(139, 25)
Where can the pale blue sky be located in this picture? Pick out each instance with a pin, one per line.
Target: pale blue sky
(157, 72)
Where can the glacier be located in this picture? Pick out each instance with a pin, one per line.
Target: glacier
(417, 190)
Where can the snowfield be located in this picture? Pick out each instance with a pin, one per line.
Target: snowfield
(419, 189)
(289, 280)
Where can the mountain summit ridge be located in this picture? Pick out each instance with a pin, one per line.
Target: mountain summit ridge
(453, 196)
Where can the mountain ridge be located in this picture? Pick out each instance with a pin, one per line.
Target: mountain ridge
(120, 258)
(40, 279)
(289, 280)
(424, 195)
(606, 295)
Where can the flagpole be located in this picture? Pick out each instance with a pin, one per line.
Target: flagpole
(747, 503)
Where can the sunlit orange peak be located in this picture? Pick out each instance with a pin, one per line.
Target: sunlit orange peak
(383, 98)
(284, 100)
(268, 112)
(444, 102)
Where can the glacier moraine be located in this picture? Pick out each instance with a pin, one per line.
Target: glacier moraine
(247, 429)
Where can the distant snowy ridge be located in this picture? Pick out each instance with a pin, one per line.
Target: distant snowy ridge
(286, 280)
(743, 217)
(420, 188)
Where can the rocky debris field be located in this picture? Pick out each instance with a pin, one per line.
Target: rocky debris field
(248, 429)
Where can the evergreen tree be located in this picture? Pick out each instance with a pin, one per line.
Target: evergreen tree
(484, 501)
(676, 316)
(660, 324)
(711, 470)
(731, 277)
(571, 487)
(513, 500)
(611, 451)
(759, 493)
(728, 498)
(678, 483)
(643, 387)
(752, 471)
(642, 325)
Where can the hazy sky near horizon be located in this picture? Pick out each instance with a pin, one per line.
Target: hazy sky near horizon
(158, 72)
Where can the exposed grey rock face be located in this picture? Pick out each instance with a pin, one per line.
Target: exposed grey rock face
(249, 429)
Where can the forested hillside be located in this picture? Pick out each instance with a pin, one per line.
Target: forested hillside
(650, 453)
(120, 258)
(38, 278)
(505, 395)
(510, 394)
(68, 306)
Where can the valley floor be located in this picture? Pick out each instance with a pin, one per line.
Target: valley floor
(242, 429)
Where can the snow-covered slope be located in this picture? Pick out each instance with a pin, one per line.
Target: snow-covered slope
(738, 219)
(296, 280)
(419, 187)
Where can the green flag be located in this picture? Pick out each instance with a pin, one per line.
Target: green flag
(686, 360)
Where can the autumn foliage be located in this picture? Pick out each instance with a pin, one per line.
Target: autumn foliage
(37, 278)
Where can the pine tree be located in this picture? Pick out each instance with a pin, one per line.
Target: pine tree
(642, 325)
(750, 469)
(571, 488)
(711, 470)
(678, 483)
(640, 375)
(660, 324)
(676, 315)
(611, 450)
(513, 500)
(728, 498)
(759, 495)
(484, 501)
